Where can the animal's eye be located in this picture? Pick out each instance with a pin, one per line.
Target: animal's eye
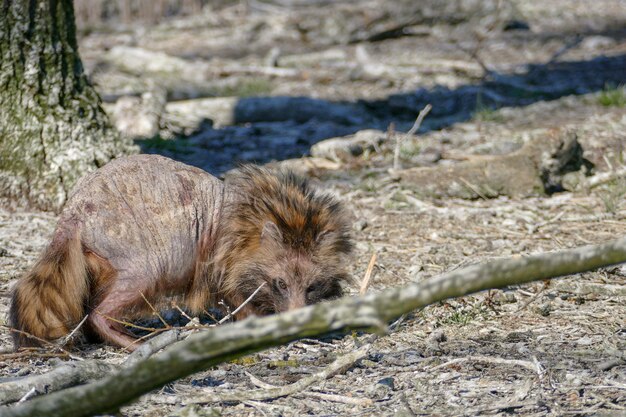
(281, 284)
(312, 288)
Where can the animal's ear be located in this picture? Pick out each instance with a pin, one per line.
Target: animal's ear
(271, 233)
(336, 239)
(324, 235)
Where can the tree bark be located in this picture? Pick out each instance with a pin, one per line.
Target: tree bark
(203, 350)
(53, 129)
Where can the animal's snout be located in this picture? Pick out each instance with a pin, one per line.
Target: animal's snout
(296, 302)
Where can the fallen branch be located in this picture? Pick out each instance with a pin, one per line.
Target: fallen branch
(203, 350)
(64, 376)
(70, 374)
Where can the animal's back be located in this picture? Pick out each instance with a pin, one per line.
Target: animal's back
(145, 213)
(130, 232)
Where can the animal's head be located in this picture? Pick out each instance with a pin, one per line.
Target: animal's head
(288, 237)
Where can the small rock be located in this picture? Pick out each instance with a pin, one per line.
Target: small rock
(509, 296)
(573, 180)
(544, 309)
(378, 392)
(306, 166)
(594, 43)
(358, 226)
(427, 157)
(503, 297)
(516, 24)
(437, 336)
(389, 382)
(433, 343)
(362, 247)
(346, 148)
(415, 272)
(573, 379)
(515, 337)
(585, 341)
(272, 57)
(206, 382)
(368, 363)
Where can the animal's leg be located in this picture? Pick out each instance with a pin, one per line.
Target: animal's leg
(113, 305)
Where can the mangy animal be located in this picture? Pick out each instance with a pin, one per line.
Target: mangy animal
(145, 228)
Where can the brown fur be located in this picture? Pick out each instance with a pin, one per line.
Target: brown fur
(49, 301)
(273, 229)
(281, 229)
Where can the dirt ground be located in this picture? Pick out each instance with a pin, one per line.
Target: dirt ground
(550, 348)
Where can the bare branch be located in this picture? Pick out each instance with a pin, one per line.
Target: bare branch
(229, 315)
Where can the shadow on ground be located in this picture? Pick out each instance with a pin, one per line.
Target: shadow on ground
(278, 128)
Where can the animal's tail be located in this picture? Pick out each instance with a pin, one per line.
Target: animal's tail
(49, 301)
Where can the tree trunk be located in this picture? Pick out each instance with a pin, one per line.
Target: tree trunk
(53, 129)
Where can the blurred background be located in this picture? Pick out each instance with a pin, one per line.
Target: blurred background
(212, 83)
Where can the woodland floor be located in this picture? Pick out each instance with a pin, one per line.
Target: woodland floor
(460, 357)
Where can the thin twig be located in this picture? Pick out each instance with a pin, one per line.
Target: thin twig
(31, 336)
(317, 342)
(368, 275)
(537, 226)
(32, 354)
(129, 324)
(43, 342)
(256, 405)
(28, 395)
(154, 311)
(182, 312)
(533, 297)
(242, 305)
(473, 188)
(71, 334)
(541, 370)
(211, 316)
(141, 339)
(399, 139)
